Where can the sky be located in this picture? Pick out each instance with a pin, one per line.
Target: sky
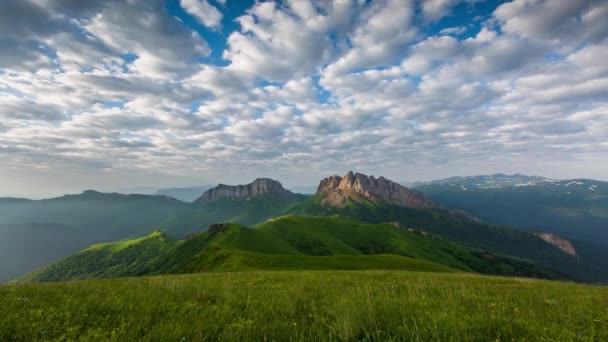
(124, 94)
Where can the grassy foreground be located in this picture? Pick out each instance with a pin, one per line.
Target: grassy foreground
(306, 306)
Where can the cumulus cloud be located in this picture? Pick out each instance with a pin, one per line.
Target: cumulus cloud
(566, 23)
(203, 11)
(300, 89)
(436, 9)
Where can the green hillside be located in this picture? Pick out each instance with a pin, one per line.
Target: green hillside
(306, 306)
(498, 239)
(58, 227)
(285, 243)
(576, 209)
(248, 212)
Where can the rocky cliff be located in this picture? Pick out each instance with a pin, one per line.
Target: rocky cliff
(558, 242)
(336, 190)
(258, 187)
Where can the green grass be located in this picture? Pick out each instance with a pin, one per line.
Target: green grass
(249, 261)
(306, 306)
(285, 243)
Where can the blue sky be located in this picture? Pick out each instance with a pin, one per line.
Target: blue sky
(126, 94)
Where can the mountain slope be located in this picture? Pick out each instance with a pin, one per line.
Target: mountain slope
(305, 243)
(61, 226)
(457, 228)
(247, 211)
(58, 227)
(247, 204)
(576, 209)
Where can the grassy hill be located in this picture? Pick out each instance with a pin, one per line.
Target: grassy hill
(248, 212)
(497, 239)
(306, 306)
(58, 227)
(285, 243)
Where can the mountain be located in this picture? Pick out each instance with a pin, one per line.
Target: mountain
(338, 191)
(452, 226)
(496, 180)
(93, 217)
(285, 243)
(247, 204)
(58, 227)
(575, 209)
(185, 194)
(259, 187)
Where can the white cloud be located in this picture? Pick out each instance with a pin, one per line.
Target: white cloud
(306, 88)
(437, 9)
(206, 13)
(456, 30)
(563, 23)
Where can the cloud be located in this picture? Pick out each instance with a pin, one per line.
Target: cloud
(278, 42)
(380, 34)
(303, 88)
(456, 30)
(566, 23)
(206, 13)
(434, 10)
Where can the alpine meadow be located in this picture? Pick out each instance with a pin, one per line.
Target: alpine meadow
(303, 170)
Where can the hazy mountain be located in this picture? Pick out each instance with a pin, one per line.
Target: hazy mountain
(259, 187)
(34, 233)
(61, 226)
(496, 180)
(186, 194)
(246, 204)
(576, 209)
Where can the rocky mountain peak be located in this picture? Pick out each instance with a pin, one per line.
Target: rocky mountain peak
(258, 187)
(337, 189)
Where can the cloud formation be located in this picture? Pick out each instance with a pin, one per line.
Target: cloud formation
(299, 89)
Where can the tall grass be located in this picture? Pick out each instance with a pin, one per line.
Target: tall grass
(306, 306)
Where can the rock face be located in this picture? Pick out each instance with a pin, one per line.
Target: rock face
(260, 186)
(337, 190)
(558, 242)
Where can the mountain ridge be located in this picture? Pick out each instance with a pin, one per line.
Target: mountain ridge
(336, 190)
(287, 242)
(260, 186)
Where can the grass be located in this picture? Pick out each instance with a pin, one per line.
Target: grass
(306, 306)
(285, 243)
(461, 230)
(240, 260)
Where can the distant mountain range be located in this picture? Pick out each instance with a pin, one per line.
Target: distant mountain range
(496, 180)
(356, 198)
(189, 194)
(185, 194)
(575, 208)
